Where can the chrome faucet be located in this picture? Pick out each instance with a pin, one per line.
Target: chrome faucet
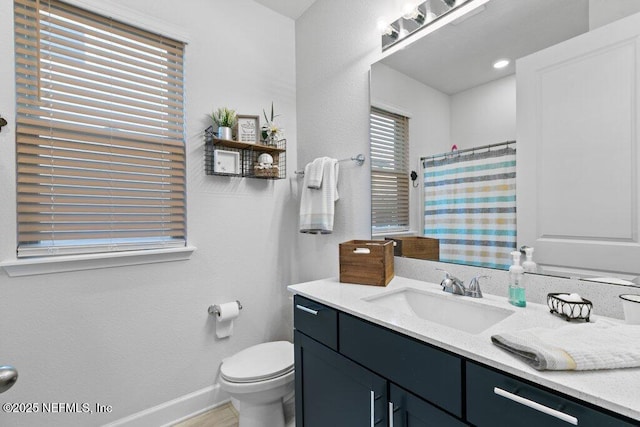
(452, 284)
(474, 290)
(456, 286)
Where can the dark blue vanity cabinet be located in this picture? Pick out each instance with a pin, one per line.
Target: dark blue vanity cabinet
(352, 373)
(496, 399)
(427, 372)
(331, 390)
(334, 391)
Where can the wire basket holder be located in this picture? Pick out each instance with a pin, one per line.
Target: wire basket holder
(250, 164)
(569, 310)
(277, 170)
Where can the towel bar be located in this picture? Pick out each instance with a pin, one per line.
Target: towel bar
(359, 159)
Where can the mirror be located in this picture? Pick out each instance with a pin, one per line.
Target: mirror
(445, 84)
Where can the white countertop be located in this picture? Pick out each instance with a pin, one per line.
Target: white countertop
(617, 390)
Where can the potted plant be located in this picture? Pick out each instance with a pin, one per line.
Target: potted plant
(225, 119)
(270, 131)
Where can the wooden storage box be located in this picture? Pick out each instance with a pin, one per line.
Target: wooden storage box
(366, 262)
(416, 247)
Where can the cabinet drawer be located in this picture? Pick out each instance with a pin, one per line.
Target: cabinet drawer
(424, 370)
(495, 399)
(316, 320)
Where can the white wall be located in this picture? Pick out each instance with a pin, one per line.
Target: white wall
(484, 114)
(336, 42)
(136, 337)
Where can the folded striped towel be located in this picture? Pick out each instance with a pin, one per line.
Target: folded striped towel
(600, 345)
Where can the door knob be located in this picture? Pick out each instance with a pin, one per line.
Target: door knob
(8, 377)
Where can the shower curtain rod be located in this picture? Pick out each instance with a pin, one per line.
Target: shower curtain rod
(466, 150)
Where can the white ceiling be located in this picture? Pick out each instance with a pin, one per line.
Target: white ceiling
(291, 8)
(458, 57)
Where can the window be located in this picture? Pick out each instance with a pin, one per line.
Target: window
(100, 133)
(389, 135)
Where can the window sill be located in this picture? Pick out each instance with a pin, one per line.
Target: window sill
(35, 266)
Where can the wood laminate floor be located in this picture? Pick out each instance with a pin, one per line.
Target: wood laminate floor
(227, 416)
(223, 416)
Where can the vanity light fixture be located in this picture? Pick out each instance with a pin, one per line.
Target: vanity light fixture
(501, 63)
(425, 18)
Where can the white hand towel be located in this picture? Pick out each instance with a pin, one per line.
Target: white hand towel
(317, 207)
(314, 175)
(585, 346)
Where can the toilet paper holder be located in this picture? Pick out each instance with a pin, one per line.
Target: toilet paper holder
(215, 309)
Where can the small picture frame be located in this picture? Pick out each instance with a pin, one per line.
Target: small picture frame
(226, 162)
(248, 129)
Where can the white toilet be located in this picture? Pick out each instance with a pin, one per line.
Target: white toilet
(259, 377)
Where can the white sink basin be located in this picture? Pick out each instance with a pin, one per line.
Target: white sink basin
(454, 311)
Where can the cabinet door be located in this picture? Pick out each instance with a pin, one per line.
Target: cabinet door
(411, 411)
(332, 391)
(577, 155)
(498, 400)
(428, 372)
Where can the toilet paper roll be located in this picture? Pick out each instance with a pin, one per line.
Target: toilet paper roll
(224, 321)
(229, 311)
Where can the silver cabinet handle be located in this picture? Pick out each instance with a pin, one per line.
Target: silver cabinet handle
(372, 409)
(537, 406)
(307, 309)
(8, 377)
(390, 414)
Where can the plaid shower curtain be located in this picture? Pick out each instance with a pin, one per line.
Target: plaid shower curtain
(470, 206)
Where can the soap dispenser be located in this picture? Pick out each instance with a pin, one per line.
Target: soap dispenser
(529, 265)
(516, 282)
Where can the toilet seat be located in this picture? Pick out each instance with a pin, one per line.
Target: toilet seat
(259, 363)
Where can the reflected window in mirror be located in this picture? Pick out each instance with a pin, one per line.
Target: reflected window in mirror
(389, 134)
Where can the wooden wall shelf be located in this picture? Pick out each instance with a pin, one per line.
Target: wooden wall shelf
(248, 154)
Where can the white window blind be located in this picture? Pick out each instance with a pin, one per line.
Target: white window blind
(100, 133)
(389, 172)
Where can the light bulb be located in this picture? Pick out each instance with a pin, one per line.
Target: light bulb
(386, 29)
(409, 11)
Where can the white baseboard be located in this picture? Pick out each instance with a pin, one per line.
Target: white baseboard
(176, 410)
